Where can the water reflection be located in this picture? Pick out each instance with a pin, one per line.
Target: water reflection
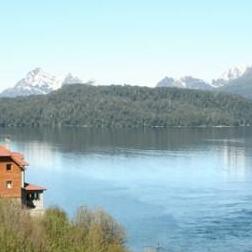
(190, 189)
(235, 160)
(87, 140)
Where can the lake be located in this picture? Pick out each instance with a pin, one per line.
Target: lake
(186, 189)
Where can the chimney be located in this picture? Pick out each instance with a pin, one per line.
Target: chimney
(7, 142)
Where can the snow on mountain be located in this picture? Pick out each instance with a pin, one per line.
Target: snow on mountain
(70, 79)
(169, 82)
(194, 83)
(229, 75)
(184, 82)
(233, 73)
(38, 82)
(227, 78)
(236, 81)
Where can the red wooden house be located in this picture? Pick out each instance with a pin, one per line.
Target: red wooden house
(12, 181)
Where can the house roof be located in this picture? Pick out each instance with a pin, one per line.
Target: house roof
(18, 158)
(15, 156)
(31, 187)
(4, 152)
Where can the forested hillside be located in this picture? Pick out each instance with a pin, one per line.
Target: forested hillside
(125, 106)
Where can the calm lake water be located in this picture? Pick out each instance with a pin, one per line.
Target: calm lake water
(188, 189)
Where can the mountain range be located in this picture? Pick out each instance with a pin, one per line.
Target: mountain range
(38, 82)
(230, 77)
(236, 80)
(187, 82)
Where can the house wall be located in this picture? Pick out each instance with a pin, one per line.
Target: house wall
(13, 175)
(22, 178)
(39, 204)
(33, 203)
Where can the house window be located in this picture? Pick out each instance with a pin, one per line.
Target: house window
(8, 167)
(37, 196)
(28, 196)
(8, 184)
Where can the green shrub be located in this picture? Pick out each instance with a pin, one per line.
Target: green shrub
(88, 231)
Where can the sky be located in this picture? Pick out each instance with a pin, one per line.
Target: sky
(134, 42)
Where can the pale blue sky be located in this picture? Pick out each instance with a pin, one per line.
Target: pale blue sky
(133, 41)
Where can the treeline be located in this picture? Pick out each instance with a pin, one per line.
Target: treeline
(125, 107)
(89, 231)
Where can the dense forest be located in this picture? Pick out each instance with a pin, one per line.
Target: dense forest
(89, 231)
(125, 107)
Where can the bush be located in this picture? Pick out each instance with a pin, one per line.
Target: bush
(88, 231)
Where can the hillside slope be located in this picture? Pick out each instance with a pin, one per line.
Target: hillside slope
(125, 106)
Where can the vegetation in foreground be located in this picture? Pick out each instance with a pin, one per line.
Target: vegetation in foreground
(88, 231)
(125, 107)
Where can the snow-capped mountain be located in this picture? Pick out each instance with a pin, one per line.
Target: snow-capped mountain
(168, 82)
(184, 82)
(229, 75)
(194, 83)
(38, 82)
(233, 73)
(70, 79)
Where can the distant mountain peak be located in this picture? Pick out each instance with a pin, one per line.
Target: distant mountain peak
(184, 82)
(39, 82)
(37, 70)
(39, 79)
(229, 75)
(233, 73)
(167, 82)
(71, 79)
(226, 78)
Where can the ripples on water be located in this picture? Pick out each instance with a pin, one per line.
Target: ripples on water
(189, 189)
